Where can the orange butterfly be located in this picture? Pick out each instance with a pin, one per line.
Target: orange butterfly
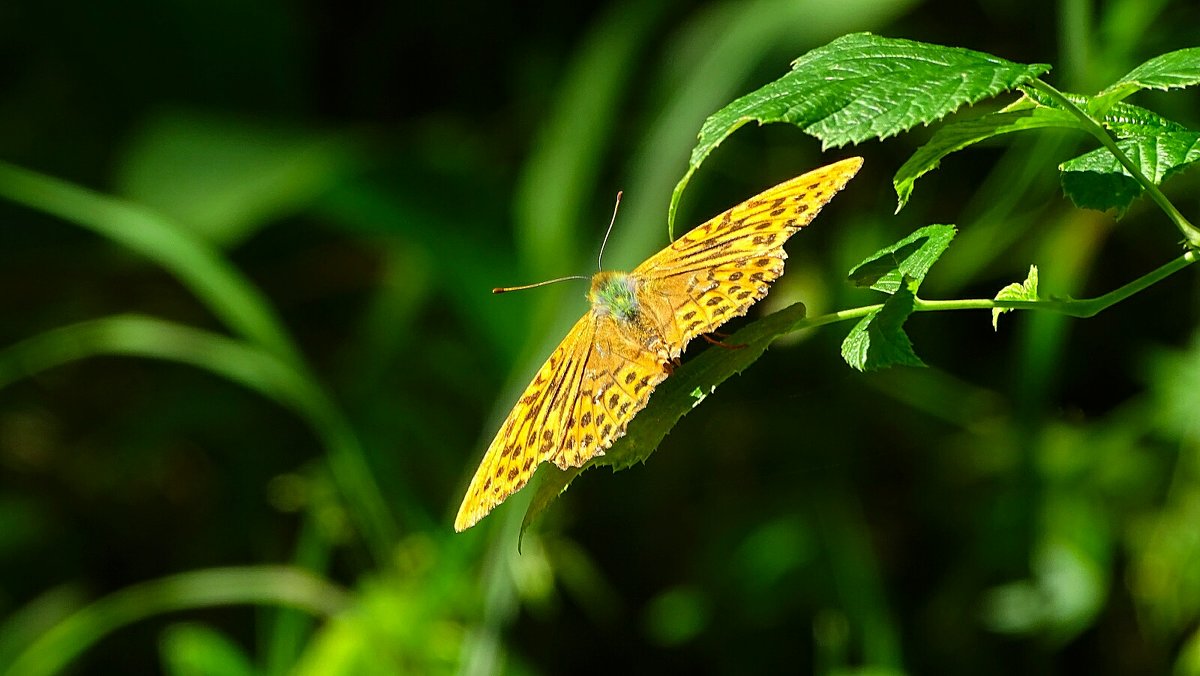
(603, 372)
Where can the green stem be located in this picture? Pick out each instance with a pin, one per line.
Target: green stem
(835, 317)
(1190, 232)
(1082, 307)
(1073, 307)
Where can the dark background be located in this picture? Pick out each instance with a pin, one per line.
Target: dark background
(1027, 503)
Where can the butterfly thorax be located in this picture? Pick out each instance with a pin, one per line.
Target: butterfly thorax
(614, 294)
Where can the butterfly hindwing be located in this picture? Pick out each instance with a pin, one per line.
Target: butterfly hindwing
(522, 442)
(577, 405)
(618, 378)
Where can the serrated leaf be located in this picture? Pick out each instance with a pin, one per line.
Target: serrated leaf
(863, 86)
(673, 399)
(1124, 119)
(878, 340)
(1172, 70)
(1096, 180)
(1026, 290)
(904, 263)
(958, 135)
(1035, 110)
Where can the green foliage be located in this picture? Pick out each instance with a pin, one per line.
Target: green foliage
(55, 648)
(224, 178)
(878, 340)
(905, 263)
(1026, 290)
(1101, 179)
(1172, 70)
(860, 87)
(196, 650)
(863, 86)
(1097, 180)
(961, 134)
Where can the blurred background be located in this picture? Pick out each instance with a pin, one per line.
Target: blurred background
(250, 358)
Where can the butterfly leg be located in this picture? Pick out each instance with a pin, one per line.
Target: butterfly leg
(718, 343)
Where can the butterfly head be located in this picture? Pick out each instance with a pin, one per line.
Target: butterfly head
(614, 294)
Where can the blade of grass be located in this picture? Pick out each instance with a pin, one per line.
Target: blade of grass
(233, 299)
(197, 265)
(251, 366)
(267, 585)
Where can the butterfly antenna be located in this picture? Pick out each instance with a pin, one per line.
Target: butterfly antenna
(506, 289)
(600, 258)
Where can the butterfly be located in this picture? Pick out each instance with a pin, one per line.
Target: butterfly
(603, 372)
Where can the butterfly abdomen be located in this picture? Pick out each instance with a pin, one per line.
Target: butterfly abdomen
(615, 294)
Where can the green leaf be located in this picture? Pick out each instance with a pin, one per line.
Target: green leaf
(958, 135)
(228, 294)
(258, 585)
(1157, 146)
(1124, 119)
(878, 340)
(673, 399)
(863, 86)
(904, 263)
(1027, 290)
(143, 336)
(1172, 70)
(196, 650)
(1097, 180)
(224, 178)
(1034, 111)
(1188, 661)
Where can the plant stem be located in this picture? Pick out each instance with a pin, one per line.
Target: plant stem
(1073, 307)
(1190, 232)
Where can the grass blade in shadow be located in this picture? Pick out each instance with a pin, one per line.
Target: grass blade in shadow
(264, 585)
(251, 366)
